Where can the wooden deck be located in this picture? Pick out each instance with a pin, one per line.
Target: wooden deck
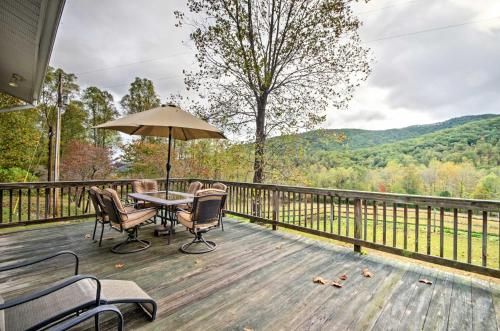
(259, 279)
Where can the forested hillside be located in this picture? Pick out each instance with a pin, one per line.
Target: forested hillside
(459, 157)
(328, 140)
(475, 141)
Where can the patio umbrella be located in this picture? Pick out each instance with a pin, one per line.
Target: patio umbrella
(165, 121)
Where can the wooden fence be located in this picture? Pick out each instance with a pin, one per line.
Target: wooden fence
(459, 233)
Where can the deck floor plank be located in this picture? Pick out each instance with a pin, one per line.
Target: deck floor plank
(260, 280)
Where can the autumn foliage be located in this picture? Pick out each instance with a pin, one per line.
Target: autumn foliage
(84, 161)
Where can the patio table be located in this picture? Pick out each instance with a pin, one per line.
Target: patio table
(166, 204)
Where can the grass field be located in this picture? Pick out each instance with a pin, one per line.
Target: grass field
(319, 216)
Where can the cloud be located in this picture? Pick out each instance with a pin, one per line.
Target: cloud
(417, 77)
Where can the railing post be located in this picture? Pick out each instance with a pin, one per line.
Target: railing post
(357, 223)
(276, 209)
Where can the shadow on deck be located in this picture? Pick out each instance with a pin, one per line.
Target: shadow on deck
(262, 280)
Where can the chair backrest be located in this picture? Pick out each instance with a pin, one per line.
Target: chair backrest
(95, 197)
(207, 205)
(144, 185)
(194, 187)
(220, 186)
(113, 208)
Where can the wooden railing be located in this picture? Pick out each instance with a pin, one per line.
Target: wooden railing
(459, 233)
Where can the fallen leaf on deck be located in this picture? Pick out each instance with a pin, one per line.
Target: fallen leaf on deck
(87, 236)
(335, 284)
(119, 265)
(319, 280)
(343, 277)
(366, 273)
(425, 281)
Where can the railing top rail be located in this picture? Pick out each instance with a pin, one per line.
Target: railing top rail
(493, 205)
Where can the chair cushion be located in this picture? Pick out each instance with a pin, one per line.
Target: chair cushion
(116, 199)
(194, 187)
(145, 185)
(220, 186)
(137, 217)
(185, 219)
(208, 191)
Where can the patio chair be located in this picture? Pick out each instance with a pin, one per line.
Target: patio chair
(205, 216)
(143, 186)
(222, 187)
(192, 189)
(126, 219)
(57, 304)
(100, 215)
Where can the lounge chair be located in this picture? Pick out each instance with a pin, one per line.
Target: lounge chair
(205, 216)
(64, 299)
(100, 215)
(126, 219)
(222, 187)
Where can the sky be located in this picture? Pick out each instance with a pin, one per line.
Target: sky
(432, 60)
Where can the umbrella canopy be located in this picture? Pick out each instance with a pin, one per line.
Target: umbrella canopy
(165, 121)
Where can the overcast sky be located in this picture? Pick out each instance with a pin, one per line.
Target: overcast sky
(433, 59)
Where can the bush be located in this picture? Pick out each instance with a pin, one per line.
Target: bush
(13, 175)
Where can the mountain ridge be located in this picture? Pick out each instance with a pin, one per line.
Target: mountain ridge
(328, 139)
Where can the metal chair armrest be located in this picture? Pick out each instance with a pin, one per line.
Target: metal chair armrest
(35, 261)
(33, 296)
(68, 324)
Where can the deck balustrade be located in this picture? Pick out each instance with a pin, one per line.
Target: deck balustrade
(459, 233)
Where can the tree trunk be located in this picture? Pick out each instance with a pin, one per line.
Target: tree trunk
(260, 140)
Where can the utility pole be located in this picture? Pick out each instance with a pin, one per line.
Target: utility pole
(57, 147)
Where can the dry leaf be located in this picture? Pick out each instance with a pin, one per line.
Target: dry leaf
(367, 273)
(336, 284)
(425, 281)
(87, 236)
(119, 265)
(319, 280)
(343, 277)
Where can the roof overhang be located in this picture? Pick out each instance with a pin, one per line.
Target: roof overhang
(27, 33)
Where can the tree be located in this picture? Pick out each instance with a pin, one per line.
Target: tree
(273, 66)
(84, 161)
(141, 96)
(488, 187)
(145, 159)
(100, 109)
(73, 124)
(19, 137)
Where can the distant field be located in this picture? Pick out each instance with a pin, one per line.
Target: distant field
(314, 220)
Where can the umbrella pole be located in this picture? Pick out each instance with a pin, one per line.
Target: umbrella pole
(168, 160)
